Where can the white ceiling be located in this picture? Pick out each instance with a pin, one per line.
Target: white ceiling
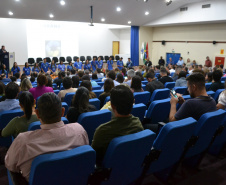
(79, 10)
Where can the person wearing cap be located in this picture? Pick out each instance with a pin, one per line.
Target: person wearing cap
(129, 63)
(120, 64)
(130, 75)
(44, 66)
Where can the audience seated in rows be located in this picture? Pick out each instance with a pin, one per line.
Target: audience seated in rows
(164, 76)
(60, 78)
(130, 75)
(176, 74)
(181, 81)
(28, 145)
(87, 84)
(217, 81)
(67, 84)
(75, 81)
(4, 79)
(2, 89)
(153, 83)
(120, 78)
(108, 85)
(86, 77)
(80, 104)
(136, 84)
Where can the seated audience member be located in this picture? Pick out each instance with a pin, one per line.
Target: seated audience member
(49, 81)
(222, 100)
(111, 74)
(200, 103)
(136, 84)
(130, 75)
(94, 76)
(60, 78)
(190, 68)
(11, 93)
(79, 105)
(2, 89)
(4, 79)
(46, 139)
(124, 72)
(18, 80)
(164, 77)
(88, 85)
(15, 69)
(80, 75)
(123, 123)
(176, 74)
(32, 79)
(99, 73)
(25, 85)
(67, 84)
(27, 69)
(120, 78)
(21, 124)
(108, 85)
(41, 88)
(217, 81)
(153, 83)
(171, 68)
(138, 73)
(209, 77)
(181, 81)
(86, 77)
(72, 73)
(13, 79)
(75, 82)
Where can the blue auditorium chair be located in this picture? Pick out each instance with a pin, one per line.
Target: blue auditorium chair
(139, 111)
(211, 93)
(208, 86)
(223, 79)
(56, 91)
(125, 155)
(64, 104)
(95, 102)
(143, 87)
(180, 90)
(98, 92)
(160, 94)
(107, 99)
(170, 85)
(98, 87)
(54, 85)
(145, 82)
(142, 97)
(217, 94)
(63, 168)
(68, 98)
(205, 131)
(158, 111)
(100, 83)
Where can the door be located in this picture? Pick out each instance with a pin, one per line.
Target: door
(175, 57)
(219, 61)
(115, 48)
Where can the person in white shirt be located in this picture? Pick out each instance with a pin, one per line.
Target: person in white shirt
(222, 101)
(180, 62)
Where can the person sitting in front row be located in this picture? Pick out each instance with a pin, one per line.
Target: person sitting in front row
(54, 136)
(123, 123)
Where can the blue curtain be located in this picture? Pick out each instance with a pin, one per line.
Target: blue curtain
(134, 45)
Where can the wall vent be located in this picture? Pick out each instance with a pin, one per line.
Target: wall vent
(184, 9)
(206, 6)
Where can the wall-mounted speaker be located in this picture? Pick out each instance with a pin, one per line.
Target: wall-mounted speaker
(214, 42)
(163, 42)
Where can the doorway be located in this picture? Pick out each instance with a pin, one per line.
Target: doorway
(115, 48)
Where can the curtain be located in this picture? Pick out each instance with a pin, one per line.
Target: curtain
(134, 45)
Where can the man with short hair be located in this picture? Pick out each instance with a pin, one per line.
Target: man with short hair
(161, 62)
(111, 74)
(130, 75)
(164, 76)
(44, 66)
(176, 74)
(180, 62)
(4, 79)
(54, 136)
(200, 103)
(78, 64)
(11, 93)
(67, 84)
(110, 64)
(148, 63)
(181, 81)
(123, 123)
(217, 81)
(208, 62)
(94, 64)
(99, 63)
(60, 78)
(129, 63)
(153, 83)
(120, 64)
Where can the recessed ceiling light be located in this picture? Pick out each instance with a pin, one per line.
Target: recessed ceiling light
(103, 19)
(145, 1)
(17, 0)
(146, 13)
(129, 22)
(62, 2)
(118, 9)
(10, 13)
(51, 15)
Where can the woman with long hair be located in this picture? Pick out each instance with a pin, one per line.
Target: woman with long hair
(4, 70)
(52, 67)
(136, 84)
(108, 85)
(80, 104)
(25, 85)
(88, 85)
(15, 69)
(27, 69)
(21, 124)
(36, 68)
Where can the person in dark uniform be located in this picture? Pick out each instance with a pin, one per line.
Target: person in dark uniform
(2, 54)
(161, 62)
(148, 63)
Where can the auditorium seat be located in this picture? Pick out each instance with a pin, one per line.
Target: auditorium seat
(5, 118)
(207, 86)
(180, 90)
(101, 57)
(82, 58)
(139, 111)
(95, 57)
(205, 132)
(68, 59)
(142, 97)
(171, 74)
(157, 75)
(56, 91)
(107, 99)
(211, 93)
(91, 120)
(75, 58)
(117, 58)
(96, 87)
(65, 105)
(95, 102)
(223, 79)
(160, 94)
(31, 61)
(88, 58)
(39, 59)
(106, 58)
(68, 98)
(113, 58)
(145, 82)
(55, 60)
(63, 167)
(124, 158)
(98, 92)
(100, 83)
(143, 87)
(217, 94)
(170, 85)
(54, 86)
(48, 60)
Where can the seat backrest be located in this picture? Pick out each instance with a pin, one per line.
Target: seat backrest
(95, 57)
(82, 58)
(180, 90)
(160, 94)
(95, 102)
(207, 86)
(223, 78)
(217, 94)
(107, 99)
(88, 58)
(106, 58)
(68, 98)
(98, 87)
(100, 83)
(55, 59)
(145, 82)
(56, 91)
(170, 85)
(48, 60)
(38, 59)
(98, 92)
(117, 57)
(171, 142)
(205, 130)
(102, 58)
(142, 97)
(65, 105)
(31, 60)
(63, 167)
(62, 59)
(113, 58)
(211, 93)
(139, 111)
(75, 58)
(158, 111)
(91, 120)
(125, 156)
(68, 58)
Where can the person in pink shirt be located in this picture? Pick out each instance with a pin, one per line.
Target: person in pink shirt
(41, 88)
(54, 136)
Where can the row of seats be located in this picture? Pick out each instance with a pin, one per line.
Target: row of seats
(130, 158)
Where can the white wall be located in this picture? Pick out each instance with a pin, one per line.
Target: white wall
(124, 36)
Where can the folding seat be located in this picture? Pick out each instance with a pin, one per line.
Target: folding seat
(106, 58)
(55, 60)
(123, 160)
(113, 58)
(95, 102)
(207, 86)
(211, 93)
(88, 58)
(142, 97)
(38, 59)
(75, 58)
(145, 82)
(170, 85)
(223, 79)
(61, 59)
(107, 99)
(101, 57)
(96, 87)
(180, 90)
(82, 58)
(56, 91)
(68, 98)
(171, 74)
(157, 75)
(160, 94)
(68, 59)
(117, 58)
(48, 60)
(98, 92)
(54, 86)
(5, 118)
(63, 167)
(95, 57)
(65, 105)
(217, 94)
(91, 120)
(100, 84)
(31, 61)
(143, 87)
(139, 111)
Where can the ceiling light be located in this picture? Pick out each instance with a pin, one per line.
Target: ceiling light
(129, 22)
(118, 9)
(51, 15)
(168, 2)
(10, 13)
(146, 13)
(17, 0)
(103, 19)
(145, 1)
(62, 2)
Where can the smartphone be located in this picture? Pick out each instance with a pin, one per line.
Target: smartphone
(173, 92)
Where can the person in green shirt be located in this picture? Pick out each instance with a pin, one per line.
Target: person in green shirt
(123, 123)
(21, 124)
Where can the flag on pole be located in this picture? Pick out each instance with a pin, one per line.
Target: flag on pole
(142, 51)
(144, 59)
(147, 56)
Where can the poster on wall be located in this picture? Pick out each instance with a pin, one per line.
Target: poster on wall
(222, 51)
(53, 48)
